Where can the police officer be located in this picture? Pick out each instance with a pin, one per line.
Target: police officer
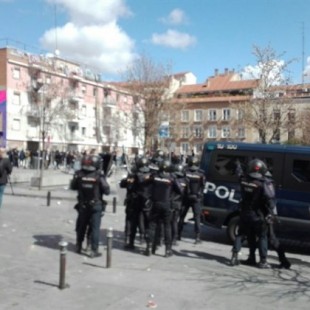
(177, 200)
(156, 159)
(270, 214)
(91, 185)
(193, 199)
(163, 186)
(255, 200)
(141, 191)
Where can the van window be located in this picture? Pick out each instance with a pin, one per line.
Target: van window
(301, 170)
(223, 164)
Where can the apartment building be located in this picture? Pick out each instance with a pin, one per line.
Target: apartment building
(51, 103)
(214, 110)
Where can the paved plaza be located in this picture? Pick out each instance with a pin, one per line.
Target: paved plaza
(195, 277)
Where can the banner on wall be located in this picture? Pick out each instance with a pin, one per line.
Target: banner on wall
(2, 118)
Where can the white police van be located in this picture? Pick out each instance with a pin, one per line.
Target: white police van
(290, 168)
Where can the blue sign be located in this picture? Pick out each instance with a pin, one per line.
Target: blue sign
(163, 131)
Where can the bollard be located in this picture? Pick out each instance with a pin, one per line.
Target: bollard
(48, 198)
(114, 204)
(109, 247)
(62, 274)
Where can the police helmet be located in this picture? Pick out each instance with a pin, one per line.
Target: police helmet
(158, 157)
(142, 164)
(257, 168)
(164, 166)
(159, 153)
(91, 163)
(193, 162)
(179, 170)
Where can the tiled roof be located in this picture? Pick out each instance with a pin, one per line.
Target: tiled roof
(221, 82)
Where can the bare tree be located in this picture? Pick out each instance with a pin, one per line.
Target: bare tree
(269, 110)
(149, 81)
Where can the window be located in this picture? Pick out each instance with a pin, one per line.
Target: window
(226, 114)
(225, 132)
(83, 129)
(276, 115)
(16, 98)
(94, 91)
(198, 148)
(198, 132)
(185, 116)
(211, 115)
(185, 132)
(84, 110)
(48, 79)
(241, 132)
(16, 124)
(83, 89)
(16, 73)
(240, 115)
(301, 170)
(107, 112)
(212, 131)
(184, 148)
(291, 116)
(198, 116)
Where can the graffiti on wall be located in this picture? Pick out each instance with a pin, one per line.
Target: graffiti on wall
(2, 118)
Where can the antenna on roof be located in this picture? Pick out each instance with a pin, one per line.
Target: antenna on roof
(55, 25)
(303, 54)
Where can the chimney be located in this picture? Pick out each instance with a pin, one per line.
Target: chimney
(216, 72)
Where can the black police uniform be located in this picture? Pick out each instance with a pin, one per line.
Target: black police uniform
(193, 199)
(254, 199)
(130, 204)
(177, 200)
(139, 186)
(91, 185)
(163, 186)
(270, 217)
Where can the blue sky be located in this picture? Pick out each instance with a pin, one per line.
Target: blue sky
(192, 35)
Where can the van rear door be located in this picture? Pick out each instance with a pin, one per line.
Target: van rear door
(294, 197)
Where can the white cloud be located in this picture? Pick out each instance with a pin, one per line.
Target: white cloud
(92, 35)
(307, 71)
(174, 39)
(176, 17)
(271, 73)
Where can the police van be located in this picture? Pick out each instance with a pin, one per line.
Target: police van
(290, 169)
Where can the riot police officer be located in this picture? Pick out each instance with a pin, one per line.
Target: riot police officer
(130, 203)
(193, 199)
(163, 186)
(91, 185)
(256, 202)
(270, 213)
(140, 192)
(177, 200)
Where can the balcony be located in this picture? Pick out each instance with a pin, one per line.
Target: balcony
(33, 111)
(73, 136)
(32, 133)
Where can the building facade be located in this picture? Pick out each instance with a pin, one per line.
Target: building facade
(216, 111)
(50, 103)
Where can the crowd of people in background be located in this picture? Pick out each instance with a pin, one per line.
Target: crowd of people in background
(52, 159)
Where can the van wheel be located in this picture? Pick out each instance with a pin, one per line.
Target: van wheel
(232, 228)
